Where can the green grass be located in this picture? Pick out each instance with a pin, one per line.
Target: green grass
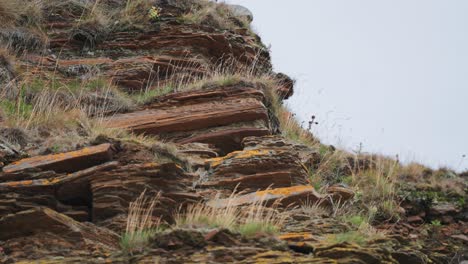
(252, 229)
(350, 237)
(18, 110)
(137, 241)
(147, 96)
(436, 223)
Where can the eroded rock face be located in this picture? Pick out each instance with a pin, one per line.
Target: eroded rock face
(137, 58)
(198, 116)
(255, 169)
(307, 155)
(112, 191)
(42, 232)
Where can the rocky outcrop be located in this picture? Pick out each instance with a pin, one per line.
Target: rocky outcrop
(255, 169)
(142, 56)
(198, 116)
(41, 233)
(216, 142)
(62, 162)
(112, 191)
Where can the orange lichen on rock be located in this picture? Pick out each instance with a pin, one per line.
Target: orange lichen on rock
(64, 162)
(243, 154)
(296, 236)
(286, 191)
(31, 183)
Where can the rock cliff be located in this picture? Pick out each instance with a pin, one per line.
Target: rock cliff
(154, 131)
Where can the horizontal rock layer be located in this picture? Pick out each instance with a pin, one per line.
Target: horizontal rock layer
(222, 117)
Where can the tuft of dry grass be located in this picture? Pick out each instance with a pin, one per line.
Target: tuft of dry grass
(10, 12)
(255, 219)
(217, 15)
(316, 209)
(378, 186)
(134, 14)
(200, 215)
(259, 219)
(93, 26)
(7, 69)
(140, 223)
(21, 13)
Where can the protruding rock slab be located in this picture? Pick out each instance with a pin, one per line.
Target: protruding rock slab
(256, 169)
(16, 196)
(306, 154)
(191, 117)
(282, 196)
(340, 193)
(220, 116)
(63, 162)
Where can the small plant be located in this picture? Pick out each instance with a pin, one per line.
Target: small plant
(436, 223)
(259, 219)
(350, 237)
(203, 215)
(154, 14)
(140, 224)
(314, 209)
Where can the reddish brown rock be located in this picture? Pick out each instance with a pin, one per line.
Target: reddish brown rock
(306, 154)
(255, 169)
(112, 191)
(340, 193)
(53, 192)
(62, 162)
(42, 232)
(198, 116)
(286, 85)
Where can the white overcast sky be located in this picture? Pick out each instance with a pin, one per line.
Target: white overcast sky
(392, 74)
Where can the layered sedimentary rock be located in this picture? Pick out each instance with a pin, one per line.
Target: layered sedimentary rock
(62, 162)
(255, 169)
(112, 191)
(143, 56)
(41, 232)
(199, 116)
(85, 194)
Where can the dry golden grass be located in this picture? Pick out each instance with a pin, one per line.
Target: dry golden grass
(377, 186)
(218, 15)
(134, 14)
(20, 13)
(251, 220)
(141, 225)
(10, 12)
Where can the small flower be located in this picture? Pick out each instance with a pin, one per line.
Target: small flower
(154, 13)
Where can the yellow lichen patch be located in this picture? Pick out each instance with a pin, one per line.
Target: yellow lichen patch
(286, 190)
(18, 183)
(39, 182)
(48, 159)
(278, 256)
(244, 154)
(296, 236)
(149, 165)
